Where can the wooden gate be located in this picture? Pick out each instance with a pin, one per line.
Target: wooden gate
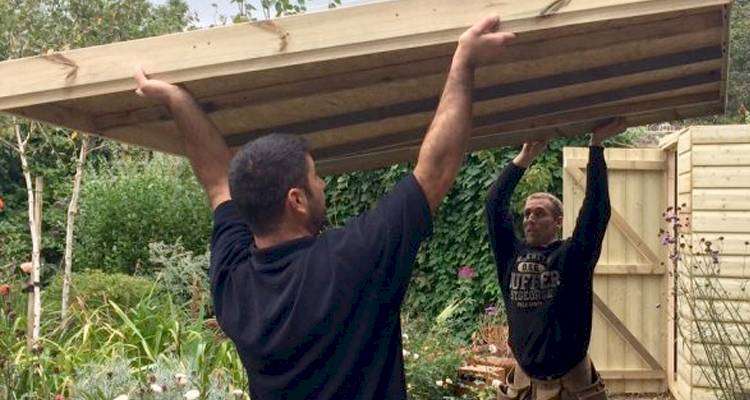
(629, 337)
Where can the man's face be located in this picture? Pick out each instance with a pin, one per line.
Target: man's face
(540, 224)
(317, 200)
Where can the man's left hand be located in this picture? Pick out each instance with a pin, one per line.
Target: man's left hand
(606, 130)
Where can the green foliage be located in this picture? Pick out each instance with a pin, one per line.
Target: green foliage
(460, 234)
(181, 272)
(136, 203)
(247, 11)
(430, 357)
(738, 85)
(109, 348)
(93, 289)
(739, 55)
(32, 27)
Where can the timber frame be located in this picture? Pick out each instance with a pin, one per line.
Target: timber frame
(361, 83)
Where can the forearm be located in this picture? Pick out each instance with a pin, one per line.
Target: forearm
(499, 217)
(596, 210)
(444, 145)
(502, 189)
(203, 145)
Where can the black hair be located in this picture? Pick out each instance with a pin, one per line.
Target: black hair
(260, 177)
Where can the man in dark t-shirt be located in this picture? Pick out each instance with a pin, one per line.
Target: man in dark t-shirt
(547, 282)
(316, 315)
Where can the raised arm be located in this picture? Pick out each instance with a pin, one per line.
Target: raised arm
(497, 206)
(595, 212)
(444, 145)
(205, 148)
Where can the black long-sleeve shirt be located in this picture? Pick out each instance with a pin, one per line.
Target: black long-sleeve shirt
(548, 290)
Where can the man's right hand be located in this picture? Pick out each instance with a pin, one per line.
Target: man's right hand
(154, 89)
(529, 152)
(482, 42)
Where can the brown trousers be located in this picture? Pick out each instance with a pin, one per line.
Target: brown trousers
(580, 383)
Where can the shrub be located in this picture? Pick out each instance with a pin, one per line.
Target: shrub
(94, 289)
(183, 274)
(137, 203)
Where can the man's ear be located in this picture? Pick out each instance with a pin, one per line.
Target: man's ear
(296, 199)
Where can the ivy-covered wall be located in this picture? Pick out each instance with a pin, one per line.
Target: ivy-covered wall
(460, 236)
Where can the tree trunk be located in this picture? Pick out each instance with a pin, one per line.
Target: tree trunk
(35, 228)
(70, 223)
(36, 261)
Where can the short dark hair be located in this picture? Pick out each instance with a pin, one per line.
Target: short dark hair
(260, 177)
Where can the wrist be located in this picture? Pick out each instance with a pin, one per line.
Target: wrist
(461, 59)
(523, 160)
(178, 97)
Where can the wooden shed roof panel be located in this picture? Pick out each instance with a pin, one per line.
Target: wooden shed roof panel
(365, 98)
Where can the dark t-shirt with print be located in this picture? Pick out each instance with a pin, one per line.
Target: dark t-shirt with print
(548, 290)
(318, 317)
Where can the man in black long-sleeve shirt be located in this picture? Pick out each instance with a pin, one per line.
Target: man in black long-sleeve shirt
(547, 282)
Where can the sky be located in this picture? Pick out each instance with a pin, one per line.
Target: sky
(208, 14)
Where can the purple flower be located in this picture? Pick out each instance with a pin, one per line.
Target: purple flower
(491, 311)
(466, 272)
(665, 238)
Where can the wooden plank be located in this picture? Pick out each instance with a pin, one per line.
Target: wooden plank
(404, 97)
(736, 334)
(528, 56)
(733, 244)
(359, 126)
(721, 177)
(634, 312)
(672, 201)
(58, 115)
(738, 312)
(685, 142)
(681, 390)
(293, 40)
(630, 110)
(685, 162)
(525, 61)
(372, 160)
(619, 251)
(610, 375)
(626, 334)
(166, 141)
(685, 183)
(735, 199)
(734, 154)
(501, 106)
(669, 142)
(725, 45)
(631, 269)
(723, 134)
(738, 357)
(653, 308)
(624, 164)
(734, 266)
(685, 369)
(726, 221)
(684, 201)
(726, 287)
(620, 222)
